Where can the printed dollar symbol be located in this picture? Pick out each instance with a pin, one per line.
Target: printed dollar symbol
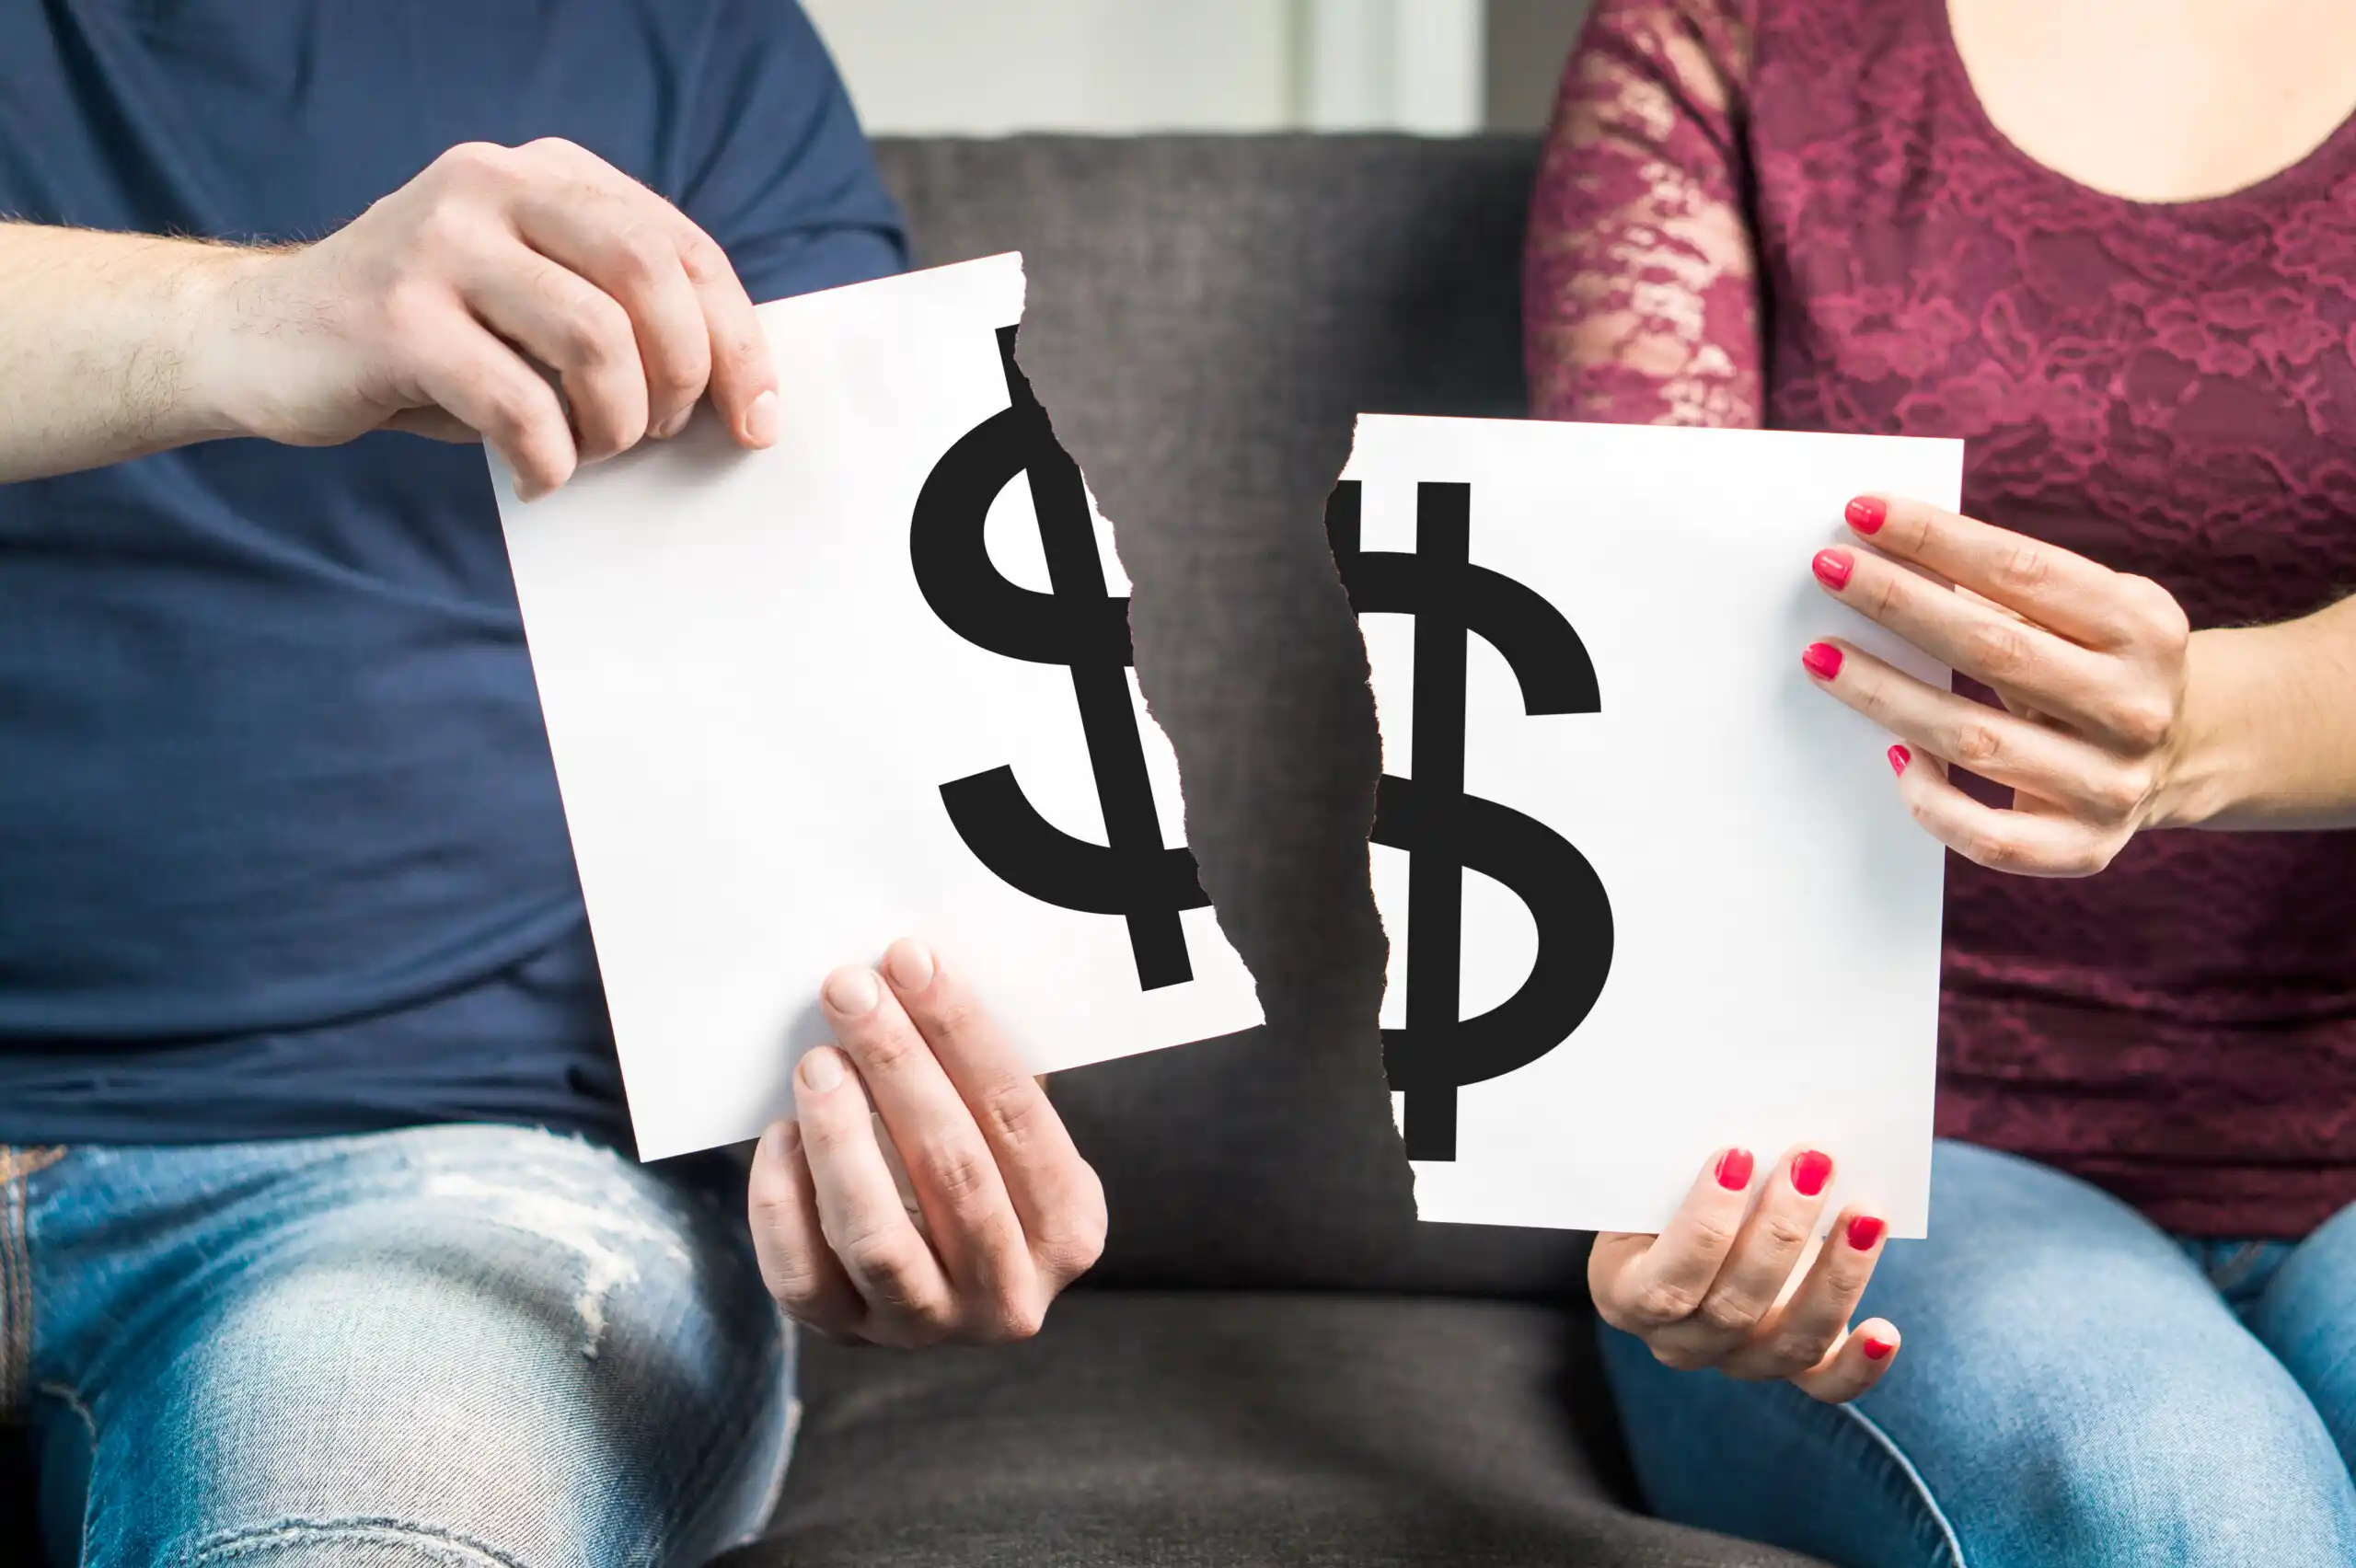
(1082, 625)
(1447, 831)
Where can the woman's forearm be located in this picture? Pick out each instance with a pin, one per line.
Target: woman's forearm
(2270, 727)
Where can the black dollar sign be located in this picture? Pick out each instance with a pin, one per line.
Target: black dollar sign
(1079, 624)
(1430, 816)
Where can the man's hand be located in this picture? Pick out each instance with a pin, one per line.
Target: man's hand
(422, 313)
(1007, 1211)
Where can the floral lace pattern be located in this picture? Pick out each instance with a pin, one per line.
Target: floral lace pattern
(1799, 215)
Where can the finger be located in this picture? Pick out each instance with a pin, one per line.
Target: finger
(2056, 676)
(743, 381)
(908, 1298)
(2003, 747)
(487, 387)
(434, 424)
(744, 375)
(1854, 1365)
(1765, 1252)
(1056, 1196)
(800, 1268)
(2082, 600)
(626, 244)
(949, 1167)
(2023, 843)
(1797, 1335)
(1644, 1284)
(574, 329)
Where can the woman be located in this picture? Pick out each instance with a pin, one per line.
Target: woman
(2115, 249)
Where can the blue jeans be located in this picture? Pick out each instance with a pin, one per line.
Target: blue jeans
(450, 1347)
(2077, 1389)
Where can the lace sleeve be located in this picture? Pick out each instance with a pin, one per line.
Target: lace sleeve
(1639, 292)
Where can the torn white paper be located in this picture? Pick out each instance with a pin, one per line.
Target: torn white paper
(1647, 893)
(870, 681)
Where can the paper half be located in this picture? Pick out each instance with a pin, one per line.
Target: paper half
(1647, 892)
(872, 682)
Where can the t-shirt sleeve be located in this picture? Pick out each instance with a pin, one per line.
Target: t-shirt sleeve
(1639, 284)
(778, 170)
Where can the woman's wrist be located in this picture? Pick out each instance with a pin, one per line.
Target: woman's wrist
(2205, 770)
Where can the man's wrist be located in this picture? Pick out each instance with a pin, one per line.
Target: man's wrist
(208, 299)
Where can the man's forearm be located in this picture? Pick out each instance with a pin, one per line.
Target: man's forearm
(100, 337)
(2270, 726)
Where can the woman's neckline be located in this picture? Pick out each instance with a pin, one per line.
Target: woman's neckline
(2306, 166)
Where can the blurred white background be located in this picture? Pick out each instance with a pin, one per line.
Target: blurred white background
(989, 67)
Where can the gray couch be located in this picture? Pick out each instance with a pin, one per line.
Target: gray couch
(1273, 1362)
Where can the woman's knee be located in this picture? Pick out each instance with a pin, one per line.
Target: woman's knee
(2168, 1471)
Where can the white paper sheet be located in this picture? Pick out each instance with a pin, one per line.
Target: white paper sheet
(754, 708)
(1772, 909)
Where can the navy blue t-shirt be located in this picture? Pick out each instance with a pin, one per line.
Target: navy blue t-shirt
(281, 850)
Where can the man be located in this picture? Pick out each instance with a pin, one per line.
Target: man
(314, 1245)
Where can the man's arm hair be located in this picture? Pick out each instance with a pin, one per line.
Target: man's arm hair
(100, 346)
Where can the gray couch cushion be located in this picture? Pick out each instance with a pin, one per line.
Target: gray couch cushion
(1233, 1429)
(1207, 316)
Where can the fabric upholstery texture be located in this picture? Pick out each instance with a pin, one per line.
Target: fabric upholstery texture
(1172, 1430)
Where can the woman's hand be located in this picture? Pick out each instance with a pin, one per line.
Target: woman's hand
(1005, 1211)
(1741, 1292)
(2091, 663)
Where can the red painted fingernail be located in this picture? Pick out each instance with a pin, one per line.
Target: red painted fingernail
(1863, 1231)
(1878, 1349)
(1867, 513)
(1823, 660)
(1734, 1169)
(1899, 757)
(1809, 1170)
(1833, 568)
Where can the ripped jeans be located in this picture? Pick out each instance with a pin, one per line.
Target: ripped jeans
(446, 1347)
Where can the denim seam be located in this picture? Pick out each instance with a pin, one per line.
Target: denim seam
(16, 1271)
(692, 1516)
(72, 1399)
(460, 1551)
(1897, 1456)
(2234, 1270)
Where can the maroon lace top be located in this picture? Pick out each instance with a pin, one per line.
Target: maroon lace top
(1798, 216)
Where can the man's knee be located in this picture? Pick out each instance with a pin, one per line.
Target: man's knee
(353, 1543)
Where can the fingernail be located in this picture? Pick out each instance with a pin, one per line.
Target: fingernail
(1863, 1231)
(760, 421)
(1823, 660)
(1808, 1172)
(1899, 757)
(1878, 1349)
(1833, 568)
(675, 423)
(1867, 513)
(852, 992)
(822, 1070)
(910, 964)
(1734, 1169)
